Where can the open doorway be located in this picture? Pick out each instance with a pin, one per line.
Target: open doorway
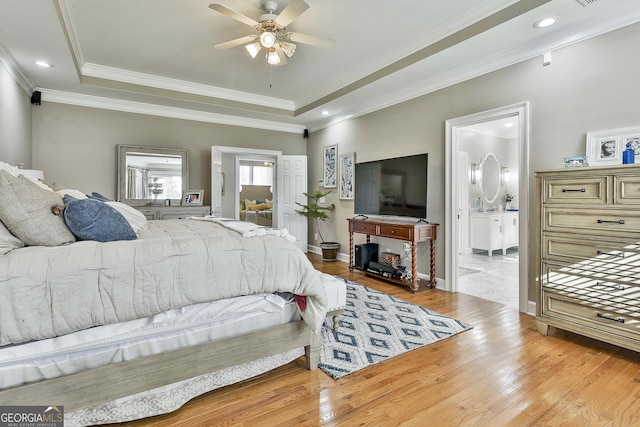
(479, 223)
(488, 262)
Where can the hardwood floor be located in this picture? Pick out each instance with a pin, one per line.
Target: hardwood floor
(500, 373)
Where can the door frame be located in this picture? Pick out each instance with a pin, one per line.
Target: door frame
(521, 110)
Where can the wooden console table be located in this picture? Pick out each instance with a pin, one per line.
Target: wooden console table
(410, 232)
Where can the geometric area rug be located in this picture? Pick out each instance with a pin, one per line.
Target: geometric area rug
(376, 326)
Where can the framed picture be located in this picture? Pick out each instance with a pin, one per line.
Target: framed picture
(347, 165)
(605, 147)
(330, 166)
(192, 198)
(576, 162)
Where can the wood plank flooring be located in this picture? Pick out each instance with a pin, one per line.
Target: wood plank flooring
(500, 373)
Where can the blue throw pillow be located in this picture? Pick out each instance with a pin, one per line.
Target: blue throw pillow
(90, 219)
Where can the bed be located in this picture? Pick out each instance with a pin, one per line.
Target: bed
(125, 329)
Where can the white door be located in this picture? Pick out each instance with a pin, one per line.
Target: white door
(292, 183)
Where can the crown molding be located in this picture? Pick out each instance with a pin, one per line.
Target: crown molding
(8, 62)
(150, 80)
(91, 101)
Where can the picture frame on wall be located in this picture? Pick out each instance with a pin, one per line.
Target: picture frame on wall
(330, 166)
(192, 198)
(347, 166)
(605, 147)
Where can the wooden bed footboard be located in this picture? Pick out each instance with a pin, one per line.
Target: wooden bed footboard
(88, 388)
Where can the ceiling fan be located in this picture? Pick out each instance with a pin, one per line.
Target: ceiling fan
(271, 32)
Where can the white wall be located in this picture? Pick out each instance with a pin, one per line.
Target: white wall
(15, 122)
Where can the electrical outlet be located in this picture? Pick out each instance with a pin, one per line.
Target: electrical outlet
(322, 200)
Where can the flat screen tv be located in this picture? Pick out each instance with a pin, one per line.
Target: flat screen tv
(392, 187)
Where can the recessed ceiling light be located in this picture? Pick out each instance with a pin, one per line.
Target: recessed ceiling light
(325, 113)
(545, 22)
(44, 64)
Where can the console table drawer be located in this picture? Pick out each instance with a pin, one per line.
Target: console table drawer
(623, 322)
(363, 228)
(591, 221)
(395, 232)
(592, 190)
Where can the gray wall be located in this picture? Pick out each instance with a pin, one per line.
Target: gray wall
(76, 146)
(590, 86)
(15, 122)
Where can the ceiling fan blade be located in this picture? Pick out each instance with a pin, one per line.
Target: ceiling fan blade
(291, 12)
(236, 42)
(233, 14)
(312, 40)
(283, 57)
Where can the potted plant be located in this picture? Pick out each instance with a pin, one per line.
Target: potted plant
(318, 213)
(508, 198)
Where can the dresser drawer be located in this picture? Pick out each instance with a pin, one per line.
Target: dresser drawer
(597, 276)
(612, 222)
(395, 232)
(620, 321)
(592, 190)
(627, 190)
(574, 249)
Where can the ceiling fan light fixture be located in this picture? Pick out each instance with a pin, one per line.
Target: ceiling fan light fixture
(272, 57)
(268, 39)
(288, 48)
(254, 49)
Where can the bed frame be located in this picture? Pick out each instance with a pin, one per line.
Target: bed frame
(94, 386)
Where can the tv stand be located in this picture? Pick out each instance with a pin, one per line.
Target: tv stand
(414, 233)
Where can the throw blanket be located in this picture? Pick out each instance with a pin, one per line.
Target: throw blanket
(52, 291)
(248, 229)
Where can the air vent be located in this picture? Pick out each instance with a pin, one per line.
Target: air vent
(586, 2)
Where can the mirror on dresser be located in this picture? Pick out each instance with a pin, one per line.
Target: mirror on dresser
(147, 176)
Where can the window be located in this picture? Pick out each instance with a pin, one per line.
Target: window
(256, 174)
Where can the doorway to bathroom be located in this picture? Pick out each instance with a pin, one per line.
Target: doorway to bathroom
(486, 205)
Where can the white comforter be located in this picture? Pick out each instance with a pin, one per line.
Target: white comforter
(52, 291)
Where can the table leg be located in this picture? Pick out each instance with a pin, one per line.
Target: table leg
(350, 252)
(414, 266)
(432, 271)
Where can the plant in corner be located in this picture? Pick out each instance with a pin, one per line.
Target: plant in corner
(318, 213)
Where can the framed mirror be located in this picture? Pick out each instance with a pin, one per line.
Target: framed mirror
(149, 175)
(489, 177)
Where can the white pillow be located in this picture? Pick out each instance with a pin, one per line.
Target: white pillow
(16, 171)
(134, 217)
(8, 241)
(76, 194)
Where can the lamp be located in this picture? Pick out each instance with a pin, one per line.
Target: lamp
(504, 175)
(288, 48)
(272, 57)
(267, 39)
(254, 49)
(475, 173)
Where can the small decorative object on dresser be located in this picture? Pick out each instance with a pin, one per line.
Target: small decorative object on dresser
(576, 162)
(588, 256)
(605, 147)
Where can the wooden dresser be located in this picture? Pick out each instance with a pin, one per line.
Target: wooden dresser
(589, 253)
(173, 212)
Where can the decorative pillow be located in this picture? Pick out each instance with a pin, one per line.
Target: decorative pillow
(8, 241)
(25, 209)
(76, 194)
(12, 170)
(248, 203)
(260, 207)
(90, 219)
(134, 217)
(98, 196)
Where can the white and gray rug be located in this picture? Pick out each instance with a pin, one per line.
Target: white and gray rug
(376, 326)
